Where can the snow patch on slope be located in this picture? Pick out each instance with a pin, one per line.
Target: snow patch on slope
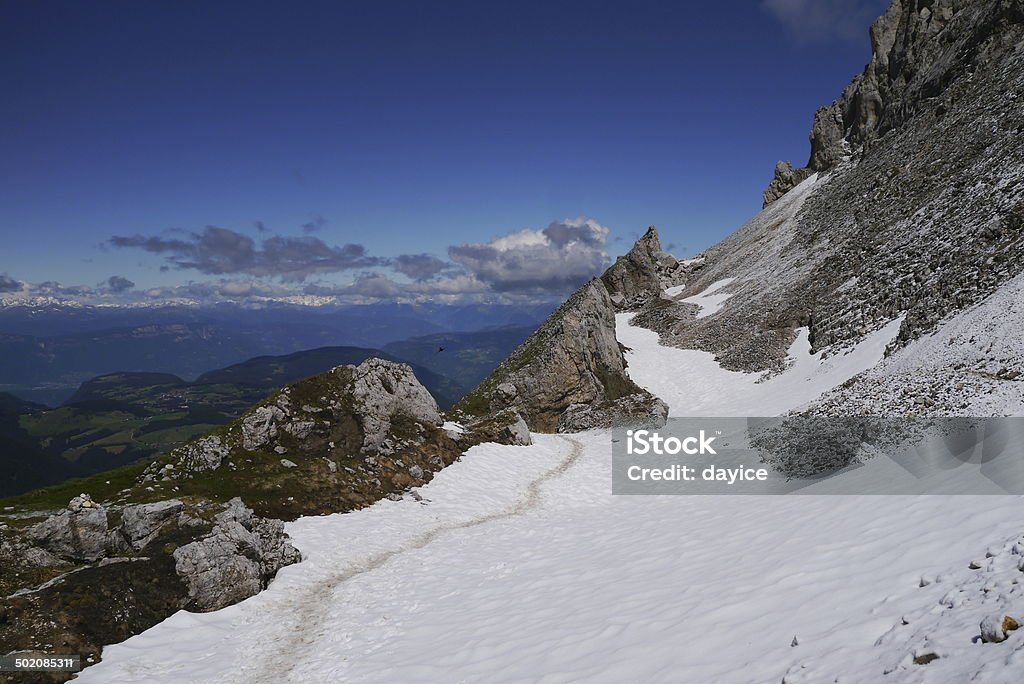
(693, 384)
(711, 299)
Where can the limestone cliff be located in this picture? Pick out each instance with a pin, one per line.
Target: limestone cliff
(919, 49)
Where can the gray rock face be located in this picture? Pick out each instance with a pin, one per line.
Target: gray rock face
(141, 523)
(573, 358)
(827, 144)
(260, 426)
(382, 390)
(206, 453)
(504, 427)
(78, 533)
(234, 561)
(917, 50)
(81, 532)
(786, 178)
(636, 410)
(641, 273)
(519, 432)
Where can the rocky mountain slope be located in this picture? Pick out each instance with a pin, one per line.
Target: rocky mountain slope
(570, 374)
(912, 203)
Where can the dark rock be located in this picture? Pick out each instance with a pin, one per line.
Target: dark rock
(503, 427)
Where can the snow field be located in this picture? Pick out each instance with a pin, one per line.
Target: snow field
(520, 566)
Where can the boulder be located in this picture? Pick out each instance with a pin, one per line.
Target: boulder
(204, 454)
(504, 427)
(639, 410)
(996, 629)
(260, 426)
(383, 390)
(236, 560)
(78, 533)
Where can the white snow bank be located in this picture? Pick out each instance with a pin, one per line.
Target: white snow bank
(711, 299)
(675, 290)
(693, 384)
(260, 638)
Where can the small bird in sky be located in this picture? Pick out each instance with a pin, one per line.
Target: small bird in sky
(440, 349)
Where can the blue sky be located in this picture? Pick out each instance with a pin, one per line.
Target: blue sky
(365, 131)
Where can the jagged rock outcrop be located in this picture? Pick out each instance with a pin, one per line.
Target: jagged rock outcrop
(206, 453)
(637, 410)
(918, 48)
(232, 561)
(235, 560)
(786, 178)
(641, 273)
(574, 361)
(382, 390)
(504, 427)
(92, 575)
(141, 523)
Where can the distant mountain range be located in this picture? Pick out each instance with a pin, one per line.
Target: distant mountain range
(466, 357)
(47, 352)
(269, 372)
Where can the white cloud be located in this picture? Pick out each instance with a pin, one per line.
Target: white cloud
(819, 21)
(553, 260)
